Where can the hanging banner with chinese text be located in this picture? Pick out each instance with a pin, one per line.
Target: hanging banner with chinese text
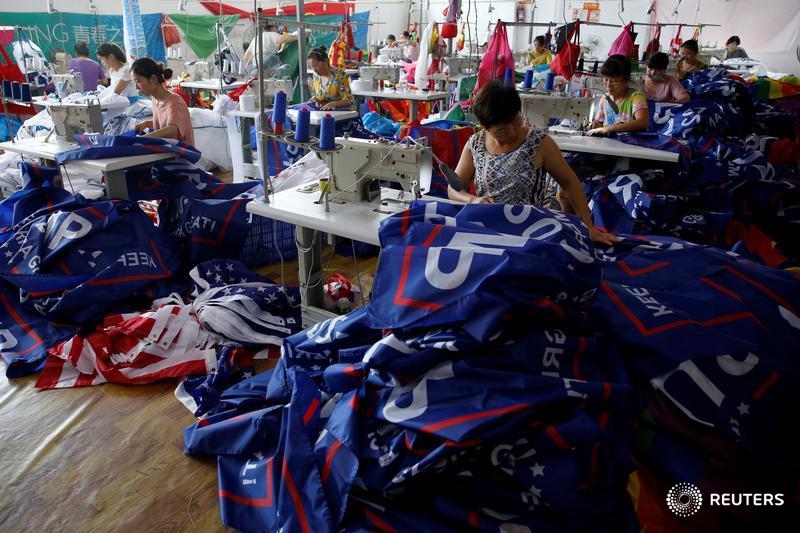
(60, 31)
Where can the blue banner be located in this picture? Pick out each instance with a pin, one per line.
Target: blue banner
(59, 32)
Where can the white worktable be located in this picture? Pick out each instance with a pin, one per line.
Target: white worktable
(316, 116)
(113, 168)
(353, 220)
(44, 101)
(210, 85)
(606, 146)
(413, 96)
(347, 71)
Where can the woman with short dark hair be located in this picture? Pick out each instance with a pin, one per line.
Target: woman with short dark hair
(171, 118)
(660, 86)
(509, 161)
(331, 85)
(91, 71)
(689, 63)
(629, 112)
(113, 58)
(733, 50)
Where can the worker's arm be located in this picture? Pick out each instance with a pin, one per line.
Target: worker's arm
(121, 85)
(553, 162)
(466, 171)
(640, 122)
(167, 132)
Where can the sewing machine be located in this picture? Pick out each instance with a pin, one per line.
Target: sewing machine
(61, 63)
(70, 119)
(539, 107)
(376, 74)
(198, 70)
(360, 164)
(67, 84)
(274, 85)
(458, 65)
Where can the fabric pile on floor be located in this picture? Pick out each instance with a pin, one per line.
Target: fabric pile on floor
(79, 272)
(505, 358)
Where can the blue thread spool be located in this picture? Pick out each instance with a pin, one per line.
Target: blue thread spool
(26, 92)
(303, 121)
(509, 77)
(528, 79)
(16, 90)
(327, 131)
(594, 67)
(7, 91)
(550, 81)
(279, 112)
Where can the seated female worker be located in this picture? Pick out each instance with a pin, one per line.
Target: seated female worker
(170, 115)
(631, 114)
(661, 87)
(509, 161)
(330, 86)
(689, 62)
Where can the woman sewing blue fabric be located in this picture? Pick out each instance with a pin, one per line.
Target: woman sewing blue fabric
(509, 162)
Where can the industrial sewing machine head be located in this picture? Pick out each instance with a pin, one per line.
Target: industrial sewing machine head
(274, 85)
(539, 107)
(198, 70)
(70, 119)
(375, 74)
(360, 165)
(67, 84)
(457, 65)
(61, 63)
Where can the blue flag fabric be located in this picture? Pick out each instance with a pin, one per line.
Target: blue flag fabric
(72, 261)
(371, 419)
(97, 146)
(26, 335)
(456, 239)
(366, 411)
(200, 211)
(38, 191)
(243, 307)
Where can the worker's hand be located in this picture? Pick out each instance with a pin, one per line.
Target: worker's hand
(605, 130)
(328, 107)
(481, 200)
(140, 127)
(603, 238)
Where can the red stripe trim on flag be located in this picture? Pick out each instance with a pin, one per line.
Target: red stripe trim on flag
(378, 521)
(296, 499)
(430, 428)
(253, 502)
(556, 437)
(399, 299)
(762, 390)
(312, 408)
(326, 470)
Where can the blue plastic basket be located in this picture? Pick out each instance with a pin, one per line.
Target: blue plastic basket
(266, 238)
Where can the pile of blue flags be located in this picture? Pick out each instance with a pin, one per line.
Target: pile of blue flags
(730, 188)
(68, 261)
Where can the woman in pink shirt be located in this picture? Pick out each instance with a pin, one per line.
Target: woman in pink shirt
(170, 115)
(661, 87)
